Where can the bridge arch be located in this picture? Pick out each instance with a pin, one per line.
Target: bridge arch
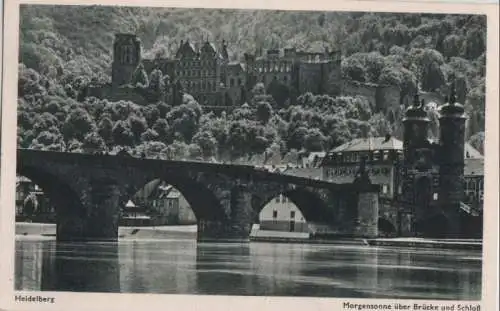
(66, 201)
(313, 207)
(203, 201)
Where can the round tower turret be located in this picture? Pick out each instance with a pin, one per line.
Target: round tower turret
(451, 167)
(416, 127)
(452, 130)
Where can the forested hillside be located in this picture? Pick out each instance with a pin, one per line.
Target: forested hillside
(63, 48)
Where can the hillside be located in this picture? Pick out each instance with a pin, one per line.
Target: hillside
(62, 48)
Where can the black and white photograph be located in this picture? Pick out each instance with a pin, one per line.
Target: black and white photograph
(250, 152)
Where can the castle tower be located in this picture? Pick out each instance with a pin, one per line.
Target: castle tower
(451, 169)
(416, 174)
(415, 127)
(126, 57)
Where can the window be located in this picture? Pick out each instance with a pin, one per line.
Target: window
(283, 199)
(277, 199)
(386, 155)
(435, 196)
(292, 214)
(385, 189)
(275, 214)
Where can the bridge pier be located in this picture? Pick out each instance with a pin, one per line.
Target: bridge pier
(366, 224)
(237, 227)
(97, 218)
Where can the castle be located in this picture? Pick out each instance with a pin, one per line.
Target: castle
(206, 73)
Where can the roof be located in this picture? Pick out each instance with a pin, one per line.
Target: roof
(471, 152)
(371, 144)
(314, 155)
(474, 167)
(22, 179)
(130, 204)
(235, 67)
(173, 194)
(310, 172)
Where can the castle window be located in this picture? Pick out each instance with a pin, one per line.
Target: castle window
(275, 214)
(231, 82)
(285, 78)
(385, 189)
(355, 157)
(292, 214)
(435, 196)
(239, 81)
(386, 155)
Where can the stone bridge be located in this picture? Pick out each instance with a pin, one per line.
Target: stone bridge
(88, 190)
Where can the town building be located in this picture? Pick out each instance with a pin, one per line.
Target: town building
(31, 203)
(172, 207)
(281, 214)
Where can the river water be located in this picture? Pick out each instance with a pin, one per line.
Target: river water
(186, 267)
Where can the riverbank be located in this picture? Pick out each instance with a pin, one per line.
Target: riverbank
(470, 244)
(150, 233)
(48, 231)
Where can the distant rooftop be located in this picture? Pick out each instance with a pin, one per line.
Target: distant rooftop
(474, 167)
(371, 144)
(471, 152)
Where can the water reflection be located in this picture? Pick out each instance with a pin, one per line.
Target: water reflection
(185, 267)
(81, 267)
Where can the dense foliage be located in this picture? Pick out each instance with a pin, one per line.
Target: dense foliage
(64, 49)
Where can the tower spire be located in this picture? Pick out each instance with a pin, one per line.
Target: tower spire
(453, 97)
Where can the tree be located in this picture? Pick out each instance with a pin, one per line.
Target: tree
(177, 150)
(264, 112)
(162, 128)
(297, 137)
(93, 142)
(194, 152)
(48, 141)
(153, 149)
(207, 144)
(151, 113)
(122, 135)
(314, 140)
(149, 135)
(353, 69)
(140, 77)
(105, 130)
(45, 121)
(78, 124)
(138, 125)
